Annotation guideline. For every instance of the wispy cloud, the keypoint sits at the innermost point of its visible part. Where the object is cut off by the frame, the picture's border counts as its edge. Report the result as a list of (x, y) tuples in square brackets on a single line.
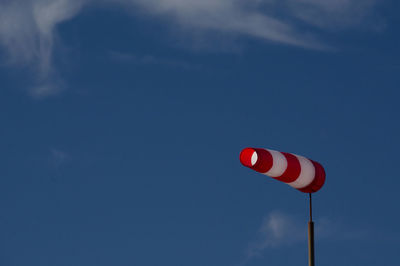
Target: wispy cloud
[(279, 229), (28, 28), (58, 157)]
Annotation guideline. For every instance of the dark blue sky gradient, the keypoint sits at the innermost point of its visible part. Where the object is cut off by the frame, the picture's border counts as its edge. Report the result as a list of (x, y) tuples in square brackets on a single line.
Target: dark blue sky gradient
[(136, 161)]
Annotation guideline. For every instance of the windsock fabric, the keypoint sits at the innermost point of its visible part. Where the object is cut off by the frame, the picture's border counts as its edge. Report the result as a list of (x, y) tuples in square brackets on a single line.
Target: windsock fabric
[(297, 171)]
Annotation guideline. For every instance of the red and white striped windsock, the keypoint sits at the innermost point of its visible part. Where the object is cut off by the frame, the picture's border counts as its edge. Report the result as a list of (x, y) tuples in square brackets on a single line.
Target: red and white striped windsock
[(297, 171)]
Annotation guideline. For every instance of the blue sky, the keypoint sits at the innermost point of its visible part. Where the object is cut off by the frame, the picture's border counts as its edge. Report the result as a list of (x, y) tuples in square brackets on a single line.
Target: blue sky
[(122, 123)]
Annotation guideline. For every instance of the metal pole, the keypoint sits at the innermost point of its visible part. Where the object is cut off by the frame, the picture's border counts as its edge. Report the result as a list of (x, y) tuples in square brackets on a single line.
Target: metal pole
[(311, 257)]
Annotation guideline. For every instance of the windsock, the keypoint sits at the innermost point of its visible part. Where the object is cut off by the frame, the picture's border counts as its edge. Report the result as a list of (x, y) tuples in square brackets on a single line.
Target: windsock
[(297, 171)]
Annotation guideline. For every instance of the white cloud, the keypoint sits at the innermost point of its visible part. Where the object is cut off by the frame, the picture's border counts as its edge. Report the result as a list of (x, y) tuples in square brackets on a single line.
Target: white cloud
[(28, 27)]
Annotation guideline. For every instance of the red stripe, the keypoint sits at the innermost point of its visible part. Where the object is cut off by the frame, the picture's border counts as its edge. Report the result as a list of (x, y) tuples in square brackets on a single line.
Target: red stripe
[(319, 179), (293, 169), (264, 161)]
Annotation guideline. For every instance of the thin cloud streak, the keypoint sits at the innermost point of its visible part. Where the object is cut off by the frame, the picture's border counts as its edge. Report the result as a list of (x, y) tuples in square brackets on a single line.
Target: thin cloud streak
[(28, 28), (228, 16), (331, 14), (150, 60)]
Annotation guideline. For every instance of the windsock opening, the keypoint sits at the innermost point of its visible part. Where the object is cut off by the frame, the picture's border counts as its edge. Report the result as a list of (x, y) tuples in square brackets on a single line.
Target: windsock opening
[(248, 157), (259, 160)]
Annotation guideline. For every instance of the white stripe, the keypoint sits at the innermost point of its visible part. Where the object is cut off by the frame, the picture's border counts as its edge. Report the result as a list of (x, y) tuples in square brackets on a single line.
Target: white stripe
[(279, 164), (307, 173)]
